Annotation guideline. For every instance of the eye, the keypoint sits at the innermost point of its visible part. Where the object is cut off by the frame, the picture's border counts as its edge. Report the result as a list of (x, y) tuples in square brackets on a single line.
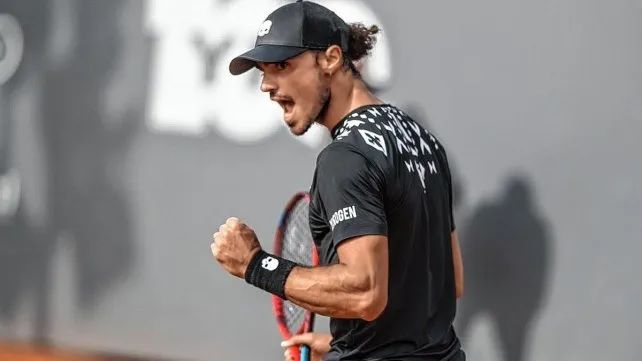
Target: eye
[(282, 65)]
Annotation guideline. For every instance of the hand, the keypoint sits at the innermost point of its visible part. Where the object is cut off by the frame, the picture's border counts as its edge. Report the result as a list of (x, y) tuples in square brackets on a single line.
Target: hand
[(234, 245), (319, 344)]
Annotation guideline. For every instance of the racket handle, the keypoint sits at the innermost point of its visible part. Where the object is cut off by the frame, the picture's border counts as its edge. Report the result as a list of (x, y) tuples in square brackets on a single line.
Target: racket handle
[(295, 352), (305, 353)]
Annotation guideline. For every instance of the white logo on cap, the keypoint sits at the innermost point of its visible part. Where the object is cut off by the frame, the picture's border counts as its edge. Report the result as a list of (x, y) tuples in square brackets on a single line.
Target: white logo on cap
[(265, 28)]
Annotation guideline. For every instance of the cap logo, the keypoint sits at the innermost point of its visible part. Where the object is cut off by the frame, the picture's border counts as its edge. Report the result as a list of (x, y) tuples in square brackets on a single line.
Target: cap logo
[(265, 28)]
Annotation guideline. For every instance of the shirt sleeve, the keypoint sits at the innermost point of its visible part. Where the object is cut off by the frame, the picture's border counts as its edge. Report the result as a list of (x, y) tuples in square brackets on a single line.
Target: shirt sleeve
[(450, 199), (351, 188), (450, 187)]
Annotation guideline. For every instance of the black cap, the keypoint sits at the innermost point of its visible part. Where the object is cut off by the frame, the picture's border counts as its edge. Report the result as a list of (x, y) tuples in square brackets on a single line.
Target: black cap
[(289, 31)]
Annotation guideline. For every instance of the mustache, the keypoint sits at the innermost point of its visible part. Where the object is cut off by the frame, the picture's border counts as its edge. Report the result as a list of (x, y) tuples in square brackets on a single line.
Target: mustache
[(280, 98)]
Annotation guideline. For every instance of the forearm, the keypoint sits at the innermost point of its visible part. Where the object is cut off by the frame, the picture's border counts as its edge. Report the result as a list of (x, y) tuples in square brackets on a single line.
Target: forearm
[(334, 291)]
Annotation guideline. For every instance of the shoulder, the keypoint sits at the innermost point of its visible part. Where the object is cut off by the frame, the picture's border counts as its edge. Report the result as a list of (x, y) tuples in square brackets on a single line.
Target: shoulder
[(345, 161), (361, 132), (340, 155)]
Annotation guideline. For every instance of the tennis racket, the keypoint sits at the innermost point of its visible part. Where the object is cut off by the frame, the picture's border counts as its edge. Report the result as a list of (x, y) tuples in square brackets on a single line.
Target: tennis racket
[(293, 241)]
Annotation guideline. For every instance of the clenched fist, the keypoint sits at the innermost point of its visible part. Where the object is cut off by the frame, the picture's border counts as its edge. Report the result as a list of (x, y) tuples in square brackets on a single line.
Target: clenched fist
[(234, 245)]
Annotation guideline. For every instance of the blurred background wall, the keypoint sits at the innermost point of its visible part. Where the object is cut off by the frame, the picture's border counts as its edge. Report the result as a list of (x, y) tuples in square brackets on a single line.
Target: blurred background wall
[(124, 143)]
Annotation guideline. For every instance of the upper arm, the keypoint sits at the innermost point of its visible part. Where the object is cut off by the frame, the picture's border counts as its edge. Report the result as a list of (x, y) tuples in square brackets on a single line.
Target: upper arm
[(366, 258), (352, 191)]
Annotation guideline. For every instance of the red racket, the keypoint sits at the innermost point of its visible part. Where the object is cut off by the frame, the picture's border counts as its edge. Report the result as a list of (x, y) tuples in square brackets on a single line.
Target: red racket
[(293, 241)]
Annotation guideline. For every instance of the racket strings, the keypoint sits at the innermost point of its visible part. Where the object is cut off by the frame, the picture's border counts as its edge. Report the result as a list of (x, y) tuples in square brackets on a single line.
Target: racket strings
[(297, 240), (297, 247), (294, 316)]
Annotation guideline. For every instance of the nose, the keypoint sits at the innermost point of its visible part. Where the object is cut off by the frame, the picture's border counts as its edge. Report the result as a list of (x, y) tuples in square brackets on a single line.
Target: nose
[(268, 84)]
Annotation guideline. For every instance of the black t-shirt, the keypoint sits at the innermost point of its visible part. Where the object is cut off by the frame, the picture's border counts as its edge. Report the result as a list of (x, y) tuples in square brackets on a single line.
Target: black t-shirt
[(384, 174)]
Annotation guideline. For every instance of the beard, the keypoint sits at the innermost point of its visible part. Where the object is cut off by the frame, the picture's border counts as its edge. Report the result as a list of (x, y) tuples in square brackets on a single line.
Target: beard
[(321, 106)]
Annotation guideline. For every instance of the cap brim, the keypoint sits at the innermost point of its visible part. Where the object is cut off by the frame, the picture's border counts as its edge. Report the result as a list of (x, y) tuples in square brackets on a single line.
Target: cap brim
[(265, 54)]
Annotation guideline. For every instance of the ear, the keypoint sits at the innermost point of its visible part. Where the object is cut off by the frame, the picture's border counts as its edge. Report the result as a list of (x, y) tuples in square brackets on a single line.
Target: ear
[(333, 59)]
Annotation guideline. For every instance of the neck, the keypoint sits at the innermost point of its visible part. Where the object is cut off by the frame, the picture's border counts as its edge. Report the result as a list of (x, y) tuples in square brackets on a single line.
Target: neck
[(347, 94)]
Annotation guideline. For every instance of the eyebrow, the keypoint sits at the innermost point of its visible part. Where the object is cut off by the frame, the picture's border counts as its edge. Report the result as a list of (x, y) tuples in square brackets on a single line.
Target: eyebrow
[(261, 66)]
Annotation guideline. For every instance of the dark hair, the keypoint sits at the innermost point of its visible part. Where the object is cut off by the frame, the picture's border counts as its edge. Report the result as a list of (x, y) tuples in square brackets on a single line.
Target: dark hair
[(360, 43)]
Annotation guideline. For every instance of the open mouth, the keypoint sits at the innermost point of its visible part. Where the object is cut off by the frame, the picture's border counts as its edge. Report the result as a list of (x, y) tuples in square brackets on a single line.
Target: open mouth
[(286, 105)]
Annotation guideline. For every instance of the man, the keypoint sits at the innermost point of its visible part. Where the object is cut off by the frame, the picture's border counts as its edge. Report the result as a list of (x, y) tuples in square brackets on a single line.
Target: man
[(380, 211)]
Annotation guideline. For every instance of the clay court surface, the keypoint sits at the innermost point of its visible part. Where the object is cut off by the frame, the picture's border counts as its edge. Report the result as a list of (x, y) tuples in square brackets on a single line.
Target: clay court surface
[(10, 351)]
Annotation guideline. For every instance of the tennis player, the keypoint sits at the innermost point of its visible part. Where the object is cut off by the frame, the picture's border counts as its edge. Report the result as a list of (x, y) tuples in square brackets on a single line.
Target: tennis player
[(381, 202)]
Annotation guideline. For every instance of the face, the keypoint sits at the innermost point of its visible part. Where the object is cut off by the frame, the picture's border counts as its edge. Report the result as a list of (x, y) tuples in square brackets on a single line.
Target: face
[(299, 86)]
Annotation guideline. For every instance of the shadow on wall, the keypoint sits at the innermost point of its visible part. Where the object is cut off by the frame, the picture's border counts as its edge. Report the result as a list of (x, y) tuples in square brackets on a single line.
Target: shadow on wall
[(506, 248), (24, 251), (84, 159)]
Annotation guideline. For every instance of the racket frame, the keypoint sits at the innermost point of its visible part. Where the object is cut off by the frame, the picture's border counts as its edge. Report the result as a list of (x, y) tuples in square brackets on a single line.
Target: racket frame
[(277, 302)]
